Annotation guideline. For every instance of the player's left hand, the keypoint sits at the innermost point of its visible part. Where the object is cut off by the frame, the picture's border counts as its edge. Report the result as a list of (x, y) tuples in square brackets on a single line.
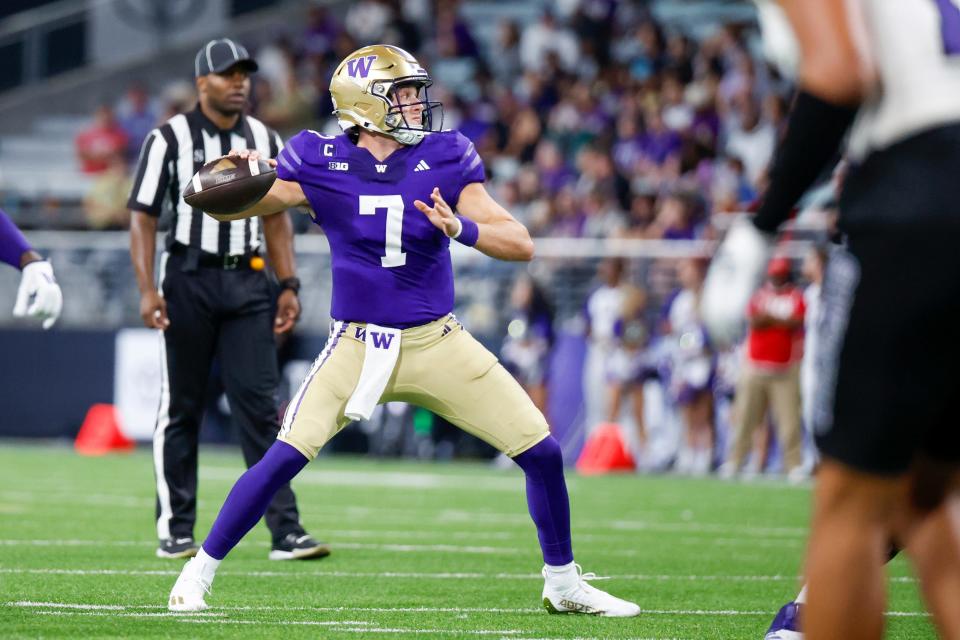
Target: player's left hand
[(39, 295), (440, 214), (288, 311), (735, 273)]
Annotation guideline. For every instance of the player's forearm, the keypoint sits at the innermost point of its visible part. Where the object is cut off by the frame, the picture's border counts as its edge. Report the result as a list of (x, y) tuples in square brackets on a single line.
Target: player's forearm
[(505, 240), (14, 247), (815, 129), (821, 114), (143, 248), (267, 206), (278, 233), (283, 195)]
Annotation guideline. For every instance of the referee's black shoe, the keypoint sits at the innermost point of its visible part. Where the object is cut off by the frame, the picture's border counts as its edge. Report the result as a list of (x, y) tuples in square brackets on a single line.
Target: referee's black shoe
[(298, 546), (177, 548)]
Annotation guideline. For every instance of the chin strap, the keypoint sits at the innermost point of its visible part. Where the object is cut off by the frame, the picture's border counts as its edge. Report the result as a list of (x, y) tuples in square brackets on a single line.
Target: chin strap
[(407, 136)]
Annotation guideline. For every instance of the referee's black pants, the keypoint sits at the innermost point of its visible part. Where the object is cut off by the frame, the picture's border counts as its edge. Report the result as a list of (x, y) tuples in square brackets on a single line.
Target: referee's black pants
[(227, 313)]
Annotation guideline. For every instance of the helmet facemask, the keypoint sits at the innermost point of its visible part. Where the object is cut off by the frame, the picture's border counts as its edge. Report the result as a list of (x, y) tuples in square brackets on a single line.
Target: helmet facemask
[(401, 125)]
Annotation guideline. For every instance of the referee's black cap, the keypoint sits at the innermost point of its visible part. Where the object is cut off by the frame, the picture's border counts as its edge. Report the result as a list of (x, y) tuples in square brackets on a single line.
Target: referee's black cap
[(219, 55)]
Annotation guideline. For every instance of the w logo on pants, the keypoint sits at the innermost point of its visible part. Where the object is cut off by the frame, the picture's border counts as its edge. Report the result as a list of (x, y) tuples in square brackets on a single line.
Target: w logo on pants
[(360, 67), (381, 340)]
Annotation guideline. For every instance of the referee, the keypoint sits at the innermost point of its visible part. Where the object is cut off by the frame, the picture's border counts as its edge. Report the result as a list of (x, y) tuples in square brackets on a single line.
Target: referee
[(212, 298)]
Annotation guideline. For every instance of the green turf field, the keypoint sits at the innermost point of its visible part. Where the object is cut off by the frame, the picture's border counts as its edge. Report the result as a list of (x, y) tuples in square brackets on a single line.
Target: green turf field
[(420, 550)]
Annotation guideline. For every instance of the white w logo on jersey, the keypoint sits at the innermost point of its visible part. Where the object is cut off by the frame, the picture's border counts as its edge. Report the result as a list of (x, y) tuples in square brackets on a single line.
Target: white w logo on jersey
[(381, 168)]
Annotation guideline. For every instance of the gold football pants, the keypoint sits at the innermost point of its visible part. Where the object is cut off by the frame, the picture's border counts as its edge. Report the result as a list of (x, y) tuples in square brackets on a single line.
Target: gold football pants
[(441, 367)]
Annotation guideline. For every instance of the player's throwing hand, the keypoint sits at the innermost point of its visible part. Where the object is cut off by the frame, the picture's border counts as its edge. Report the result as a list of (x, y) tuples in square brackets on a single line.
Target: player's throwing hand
[(440, 214), (251, 154)]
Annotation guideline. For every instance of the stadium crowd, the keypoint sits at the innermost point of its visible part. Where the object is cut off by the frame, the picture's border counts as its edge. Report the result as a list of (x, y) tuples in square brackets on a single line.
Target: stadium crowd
[(594, 121)]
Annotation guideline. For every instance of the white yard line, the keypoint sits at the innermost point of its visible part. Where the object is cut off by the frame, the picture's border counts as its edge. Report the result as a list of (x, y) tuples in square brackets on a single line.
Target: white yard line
[(403, 481), (399, 548), (442, 517), (97, 609), (217, 617), (297, 575), (338, 539), (366, 630)]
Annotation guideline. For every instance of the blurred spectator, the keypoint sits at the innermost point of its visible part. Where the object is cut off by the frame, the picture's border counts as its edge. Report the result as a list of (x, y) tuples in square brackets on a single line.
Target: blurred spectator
[(602, 218), (674, 219), (603, 309), (506, 63), (453, 36), (177, 97), (750, 139), (630, 366), (524, 135), (730, 189), (692, 371), (659, 143), (278, 63), (679, 57), (401, 30), (321, 32), (526, 347), (641, 216), (627, 148), (367, 20), (98, 144), (544, 37), (553, 173), (771, 374), (642, 51), (593, 23), (136, 115), (287, 108), (677, 112), (566, 218), (105, 204)]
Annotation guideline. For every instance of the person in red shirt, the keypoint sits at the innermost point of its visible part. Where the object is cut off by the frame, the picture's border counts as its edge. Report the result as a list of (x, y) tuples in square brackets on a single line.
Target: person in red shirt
[(771, 371), (101, 142)]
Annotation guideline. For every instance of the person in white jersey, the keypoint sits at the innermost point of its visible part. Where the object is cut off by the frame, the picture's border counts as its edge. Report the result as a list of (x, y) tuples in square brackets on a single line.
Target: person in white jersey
[(889, 72)]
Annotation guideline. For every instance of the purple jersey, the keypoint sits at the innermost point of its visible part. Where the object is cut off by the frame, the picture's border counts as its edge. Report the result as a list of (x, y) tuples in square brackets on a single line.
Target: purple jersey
[(391, 266)]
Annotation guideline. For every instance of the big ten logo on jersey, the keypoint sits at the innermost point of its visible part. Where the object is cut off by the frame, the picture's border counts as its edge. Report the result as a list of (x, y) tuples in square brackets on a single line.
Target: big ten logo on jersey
[(360, 67), (338, 166), (380, 340)]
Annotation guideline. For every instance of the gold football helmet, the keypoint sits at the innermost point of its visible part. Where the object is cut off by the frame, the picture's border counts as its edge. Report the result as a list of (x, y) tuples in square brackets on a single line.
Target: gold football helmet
[(363, 87)]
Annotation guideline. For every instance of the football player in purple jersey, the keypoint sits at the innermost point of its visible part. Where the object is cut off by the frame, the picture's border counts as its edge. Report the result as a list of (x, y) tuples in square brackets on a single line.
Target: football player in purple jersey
[(39, 294), (390, 194)]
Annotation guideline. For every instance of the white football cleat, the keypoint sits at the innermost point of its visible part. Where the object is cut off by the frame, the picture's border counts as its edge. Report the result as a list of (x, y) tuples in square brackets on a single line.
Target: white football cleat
[(580, 597), (187, 594)]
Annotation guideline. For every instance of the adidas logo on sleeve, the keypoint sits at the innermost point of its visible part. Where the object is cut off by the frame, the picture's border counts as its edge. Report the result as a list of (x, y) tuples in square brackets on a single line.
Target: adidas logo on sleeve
[(422, 166)]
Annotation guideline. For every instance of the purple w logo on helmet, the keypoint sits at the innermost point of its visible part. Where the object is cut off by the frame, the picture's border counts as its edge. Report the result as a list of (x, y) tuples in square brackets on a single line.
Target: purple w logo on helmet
[(360, 67)]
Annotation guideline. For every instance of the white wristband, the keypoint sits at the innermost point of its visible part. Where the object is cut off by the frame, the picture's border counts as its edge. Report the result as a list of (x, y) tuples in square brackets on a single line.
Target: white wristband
[(459, 229)]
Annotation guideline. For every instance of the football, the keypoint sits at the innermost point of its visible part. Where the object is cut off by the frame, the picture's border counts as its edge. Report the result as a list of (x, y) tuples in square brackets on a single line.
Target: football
[(229, 184)]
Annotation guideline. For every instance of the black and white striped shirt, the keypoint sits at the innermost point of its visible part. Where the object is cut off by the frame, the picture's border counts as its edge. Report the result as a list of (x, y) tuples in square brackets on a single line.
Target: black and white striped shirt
[(172, 153)]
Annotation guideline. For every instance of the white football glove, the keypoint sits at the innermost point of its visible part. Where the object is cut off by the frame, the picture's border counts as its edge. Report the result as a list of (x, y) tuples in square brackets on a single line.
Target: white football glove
[(735, 273), (39, 294)]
